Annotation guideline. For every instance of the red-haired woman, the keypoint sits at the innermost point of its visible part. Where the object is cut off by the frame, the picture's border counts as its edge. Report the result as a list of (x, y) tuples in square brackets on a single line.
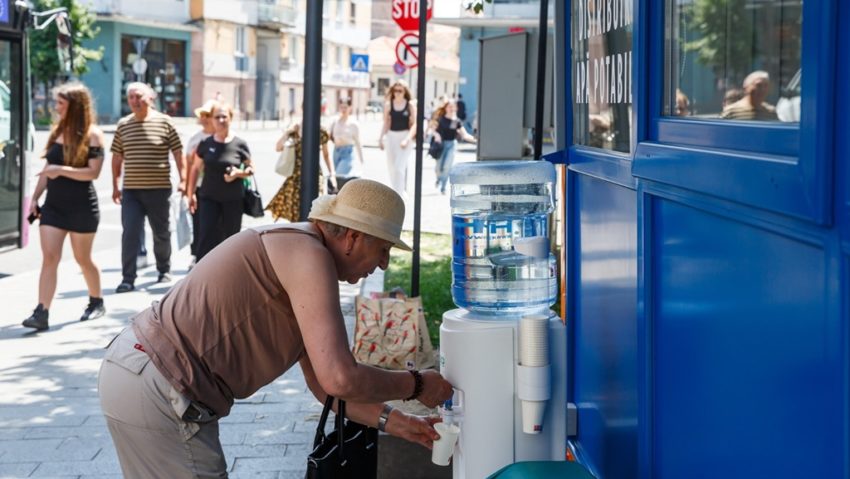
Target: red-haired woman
[(74, 155)]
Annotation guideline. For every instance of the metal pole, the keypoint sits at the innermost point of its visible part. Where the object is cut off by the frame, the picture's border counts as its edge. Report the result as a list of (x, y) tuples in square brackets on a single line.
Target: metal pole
[(311, 121), (420, 132), (543, 37)]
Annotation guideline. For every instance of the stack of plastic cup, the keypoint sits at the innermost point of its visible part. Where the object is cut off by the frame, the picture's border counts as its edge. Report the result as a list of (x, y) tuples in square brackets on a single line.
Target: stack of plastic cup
[(535, 381)]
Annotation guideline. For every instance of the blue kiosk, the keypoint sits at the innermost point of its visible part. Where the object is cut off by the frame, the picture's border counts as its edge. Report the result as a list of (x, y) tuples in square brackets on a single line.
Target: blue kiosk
[(707, 230)]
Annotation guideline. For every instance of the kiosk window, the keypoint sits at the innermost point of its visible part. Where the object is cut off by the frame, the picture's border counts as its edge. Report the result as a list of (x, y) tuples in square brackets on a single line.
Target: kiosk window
[(733, 59), (602, 73)]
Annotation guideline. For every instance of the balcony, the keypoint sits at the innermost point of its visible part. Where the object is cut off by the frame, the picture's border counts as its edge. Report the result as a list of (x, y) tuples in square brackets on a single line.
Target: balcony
[(275, 16)]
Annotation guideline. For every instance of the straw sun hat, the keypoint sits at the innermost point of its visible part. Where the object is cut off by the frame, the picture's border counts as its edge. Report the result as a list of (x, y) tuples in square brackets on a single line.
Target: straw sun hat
[(366, 206)]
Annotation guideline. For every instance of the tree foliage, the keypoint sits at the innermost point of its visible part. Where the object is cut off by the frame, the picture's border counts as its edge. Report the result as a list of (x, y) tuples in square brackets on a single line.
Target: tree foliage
[(724, 36), (476, 5), (44, 59)]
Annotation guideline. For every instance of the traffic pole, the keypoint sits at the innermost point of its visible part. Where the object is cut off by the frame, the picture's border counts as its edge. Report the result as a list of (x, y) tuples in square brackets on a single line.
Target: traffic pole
[(311, 119), (420, 134)]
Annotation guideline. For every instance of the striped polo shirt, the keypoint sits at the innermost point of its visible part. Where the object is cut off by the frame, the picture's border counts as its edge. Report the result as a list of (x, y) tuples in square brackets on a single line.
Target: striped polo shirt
[(145, 145)]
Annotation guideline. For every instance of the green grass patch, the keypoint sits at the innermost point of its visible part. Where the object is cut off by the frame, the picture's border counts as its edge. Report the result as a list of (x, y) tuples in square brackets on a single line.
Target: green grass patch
[(435, 276)]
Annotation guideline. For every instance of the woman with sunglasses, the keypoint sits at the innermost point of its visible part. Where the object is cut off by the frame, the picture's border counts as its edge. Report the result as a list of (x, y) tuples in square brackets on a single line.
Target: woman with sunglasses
[(399, 130), (74, 155), (225, 161)]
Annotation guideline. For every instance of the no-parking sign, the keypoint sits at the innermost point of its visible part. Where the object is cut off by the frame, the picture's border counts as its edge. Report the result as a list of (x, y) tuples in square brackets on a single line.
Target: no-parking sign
[(407, 50)]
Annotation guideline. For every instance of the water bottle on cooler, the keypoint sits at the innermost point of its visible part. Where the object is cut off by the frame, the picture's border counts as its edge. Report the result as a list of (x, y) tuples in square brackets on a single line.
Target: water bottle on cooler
[(501, 260)]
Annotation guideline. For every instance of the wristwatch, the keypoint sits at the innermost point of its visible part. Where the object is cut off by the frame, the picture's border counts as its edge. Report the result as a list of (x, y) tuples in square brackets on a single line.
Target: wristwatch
[(382, 419)]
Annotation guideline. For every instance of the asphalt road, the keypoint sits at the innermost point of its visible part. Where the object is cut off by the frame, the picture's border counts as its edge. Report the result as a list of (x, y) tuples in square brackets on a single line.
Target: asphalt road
[(435, 216)]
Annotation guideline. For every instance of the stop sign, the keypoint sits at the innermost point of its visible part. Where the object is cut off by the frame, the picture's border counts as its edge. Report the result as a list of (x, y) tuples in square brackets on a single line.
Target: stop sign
[(406, 13)]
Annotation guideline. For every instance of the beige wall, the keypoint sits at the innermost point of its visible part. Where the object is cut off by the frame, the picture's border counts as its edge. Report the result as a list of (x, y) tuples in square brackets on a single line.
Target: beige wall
[(220, 37)]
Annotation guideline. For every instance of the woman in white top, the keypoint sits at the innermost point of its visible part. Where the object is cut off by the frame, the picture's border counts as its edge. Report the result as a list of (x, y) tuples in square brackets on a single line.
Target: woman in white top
[(400, 129), (345, 135)]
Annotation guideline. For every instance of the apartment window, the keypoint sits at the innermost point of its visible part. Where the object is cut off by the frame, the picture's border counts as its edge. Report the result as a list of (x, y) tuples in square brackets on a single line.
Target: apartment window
[(340, 11), (293, 49), (339, 51), (353, 8)]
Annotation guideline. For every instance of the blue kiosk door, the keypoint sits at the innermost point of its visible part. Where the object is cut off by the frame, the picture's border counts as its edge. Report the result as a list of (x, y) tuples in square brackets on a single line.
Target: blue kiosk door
[(708, 237)]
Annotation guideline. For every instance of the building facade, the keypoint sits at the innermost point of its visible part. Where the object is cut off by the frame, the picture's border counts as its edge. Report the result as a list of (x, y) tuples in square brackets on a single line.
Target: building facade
[(442, 70), (345, 31), (499, 18), (149, 42)]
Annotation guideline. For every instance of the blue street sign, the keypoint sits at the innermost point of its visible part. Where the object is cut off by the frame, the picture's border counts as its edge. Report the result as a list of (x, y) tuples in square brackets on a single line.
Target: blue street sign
[(359, 63)]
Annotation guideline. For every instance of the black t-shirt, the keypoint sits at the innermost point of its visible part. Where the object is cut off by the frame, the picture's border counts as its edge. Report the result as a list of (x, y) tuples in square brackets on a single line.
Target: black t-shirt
[(448, 128), (217, 158)]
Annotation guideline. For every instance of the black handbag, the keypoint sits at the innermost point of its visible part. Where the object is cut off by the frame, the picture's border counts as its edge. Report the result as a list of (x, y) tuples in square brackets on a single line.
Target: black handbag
[(349, 451), (252, 202), (435, 149)]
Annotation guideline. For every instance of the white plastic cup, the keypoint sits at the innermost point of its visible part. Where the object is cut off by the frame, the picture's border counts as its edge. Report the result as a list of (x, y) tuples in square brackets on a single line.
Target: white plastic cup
[(444, 447), (535, 246), (532, 416), (534, 340)]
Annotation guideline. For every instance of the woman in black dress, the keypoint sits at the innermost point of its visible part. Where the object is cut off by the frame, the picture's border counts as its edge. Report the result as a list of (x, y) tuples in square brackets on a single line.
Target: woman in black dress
[(225, 161), (74, 155)]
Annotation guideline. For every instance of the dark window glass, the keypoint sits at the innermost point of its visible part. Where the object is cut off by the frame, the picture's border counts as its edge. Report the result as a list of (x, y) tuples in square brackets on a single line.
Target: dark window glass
[(733, 59), (602, 73), (10, 148), (161, 64)]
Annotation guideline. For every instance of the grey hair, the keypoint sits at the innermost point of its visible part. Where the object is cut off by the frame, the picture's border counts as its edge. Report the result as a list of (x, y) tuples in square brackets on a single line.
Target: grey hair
[(337, 231), (142, 87)]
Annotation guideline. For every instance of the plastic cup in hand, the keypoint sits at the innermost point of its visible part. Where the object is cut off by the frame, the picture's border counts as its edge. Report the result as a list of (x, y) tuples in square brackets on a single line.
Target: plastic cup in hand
[(444, 446), (534, 340)]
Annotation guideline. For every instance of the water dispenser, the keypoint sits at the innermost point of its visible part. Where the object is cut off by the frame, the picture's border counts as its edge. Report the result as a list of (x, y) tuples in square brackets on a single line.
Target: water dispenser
[(503, 349)]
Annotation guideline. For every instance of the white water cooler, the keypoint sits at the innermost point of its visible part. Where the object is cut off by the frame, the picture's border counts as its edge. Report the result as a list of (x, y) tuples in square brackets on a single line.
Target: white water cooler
[(480, 357), (504, 351)]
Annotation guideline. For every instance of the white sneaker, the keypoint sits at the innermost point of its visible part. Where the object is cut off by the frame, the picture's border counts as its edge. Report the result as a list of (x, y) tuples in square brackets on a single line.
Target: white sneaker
[(141, 261)]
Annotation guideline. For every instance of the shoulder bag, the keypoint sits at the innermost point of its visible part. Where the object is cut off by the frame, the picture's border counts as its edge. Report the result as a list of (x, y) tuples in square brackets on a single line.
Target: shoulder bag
[(252, 202), (350, 451), (286, 161), (435, 149)]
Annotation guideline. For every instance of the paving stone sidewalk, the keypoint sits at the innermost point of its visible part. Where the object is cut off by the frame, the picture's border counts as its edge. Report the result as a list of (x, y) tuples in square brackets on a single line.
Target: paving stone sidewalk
[(50, 419)]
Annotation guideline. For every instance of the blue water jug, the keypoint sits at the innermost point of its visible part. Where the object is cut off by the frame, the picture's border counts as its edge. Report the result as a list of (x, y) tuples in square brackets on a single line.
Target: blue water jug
[(501, 259)]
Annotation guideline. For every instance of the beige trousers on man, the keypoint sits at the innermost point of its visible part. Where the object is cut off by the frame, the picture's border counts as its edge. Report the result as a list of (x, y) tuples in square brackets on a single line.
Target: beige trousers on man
[(143, 412)]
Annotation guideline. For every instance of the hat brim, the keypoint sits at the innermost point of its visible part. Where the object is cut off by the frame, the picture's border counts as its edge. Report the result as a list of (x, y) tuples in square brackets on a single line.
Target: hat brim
[(201, 111), (363, 228)]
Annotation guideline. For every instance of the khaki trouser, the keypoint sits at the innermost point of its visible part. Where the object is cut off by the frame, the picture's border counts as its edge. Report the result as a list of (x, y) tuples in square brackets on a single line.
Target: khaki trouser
[(143, 412)]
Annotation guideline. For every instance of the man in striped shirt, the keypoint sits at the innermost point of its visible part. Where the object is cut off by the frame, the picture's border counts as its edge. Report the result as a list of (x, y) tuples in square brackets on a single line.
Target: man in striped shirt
[(141, 145)]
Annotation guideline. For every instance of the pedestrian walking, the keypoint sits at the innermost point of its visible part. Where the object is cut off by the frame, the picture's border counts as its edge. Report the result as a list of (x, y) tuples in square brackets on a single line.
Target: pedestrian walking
[(224, 160), (140, 150), (399, 129), (286, 203), (74, 155), (447, 127), (345, 135), (204, 115), (266, 298)]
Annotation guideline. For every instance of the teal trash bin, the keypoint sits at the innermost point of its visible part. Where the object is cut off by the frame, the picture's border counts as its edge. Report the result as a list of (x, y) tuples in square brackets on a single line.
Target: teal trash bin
[(543, 469)]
